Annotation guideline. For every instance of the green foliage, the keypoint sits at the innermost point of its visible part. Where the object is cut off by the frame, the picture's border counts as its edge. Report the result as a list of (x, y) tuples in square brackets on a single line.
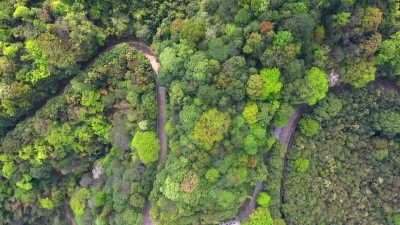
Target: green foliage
[(372, 19), (9, 169), (283, 38), (302, 164), (212, 175), (387, 52), (230, 29), (395, 219), (309, 127), (243, 17), (22, 12), (41, 60), (359, 72), (210, 128), (342, 18), (263, 199), (91, 100), (79, 200), (255, 86), (250, 145), (25, 183), (318, 81), (147, 146), (260, 216), (46, 203), (250, 113), (329, 107), (272, 85), (217, 50), (350, 2), (192, 32), (380, 154), (100, 199), (342, 152), (388, 122)]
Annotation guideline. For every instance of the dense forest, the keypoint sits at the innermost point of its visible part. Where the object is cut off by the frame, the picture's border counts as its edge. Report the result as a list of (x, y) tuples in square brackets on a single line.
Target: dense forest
[(234, 71), (344, 163)]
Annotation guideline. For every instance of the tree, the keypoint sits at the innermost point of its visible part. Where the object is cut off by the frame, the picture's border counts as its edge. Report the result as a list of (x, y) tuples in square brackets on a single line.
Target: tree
[(170, 62), (302, 164), (176, 26), (272, 85), (309, 127), (318, 80), (243, 17), (250, 145), (225, 199), (217, 50), (359, 72), (78, 201), (210, 128), (371, 45), (329, 107), (263, 199), (189, 115), (301, 26), (212, 175), (266, 26), (46, 203), (372, 19), (283, 38), (388, 122), (255, 86), (388, 52), (198, 67), (253, 42), (22, 12), (176, 94), (192, 32), (319, 34), (91, 100), (236, 177), (250, 113), (279, 221), (9, 169), (342, 19), (261, 216), (190, 182), (146, 143)]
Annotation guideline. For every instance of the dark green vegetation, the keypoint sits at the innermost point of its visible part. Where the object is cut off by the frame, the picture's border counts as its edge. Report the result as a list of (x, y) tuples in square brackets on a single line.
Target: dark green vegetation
[(47, 160), (348, 172), (42, 43), (234, 70)]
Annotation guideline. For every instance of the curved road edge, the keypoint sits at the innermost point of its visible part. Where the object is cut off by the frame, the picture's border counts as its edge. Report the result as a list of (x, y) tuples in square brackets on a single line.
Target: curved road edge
[(287, 132)]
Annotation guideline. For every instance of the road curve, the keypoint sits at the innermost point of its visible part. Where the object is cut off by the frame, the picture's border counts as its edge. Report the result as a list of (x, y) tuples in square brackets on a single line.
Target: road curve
[(286, 134)]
